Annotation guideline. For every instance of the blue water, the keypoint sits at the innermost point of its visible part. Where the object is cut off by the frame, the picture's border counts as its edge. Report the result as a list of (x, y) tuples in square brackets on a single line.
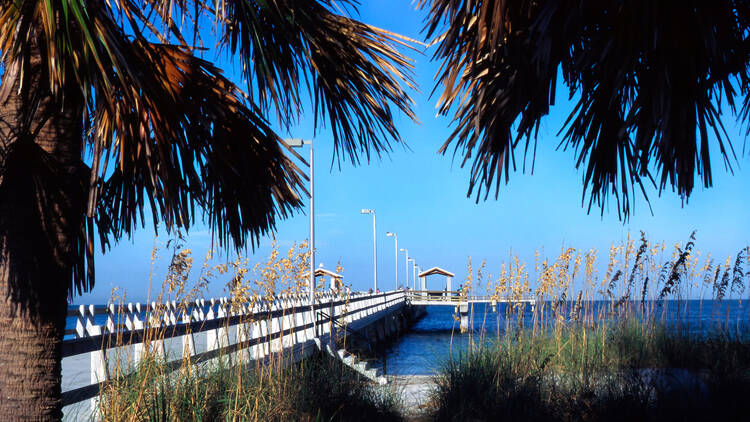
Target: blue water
[(433, 339)]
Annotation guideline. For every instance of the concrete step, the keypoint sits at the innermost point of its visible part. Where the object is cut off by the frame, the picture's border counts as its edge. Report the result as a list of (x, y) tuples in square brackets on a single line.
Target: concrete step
[(353, 362), (331, 350)]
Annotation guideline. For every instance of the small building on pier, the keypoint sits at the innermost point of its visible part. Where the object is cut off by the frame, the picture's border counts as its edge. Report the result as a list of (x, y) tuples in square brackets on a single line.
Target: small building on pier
[(435, 271), (334, 279)]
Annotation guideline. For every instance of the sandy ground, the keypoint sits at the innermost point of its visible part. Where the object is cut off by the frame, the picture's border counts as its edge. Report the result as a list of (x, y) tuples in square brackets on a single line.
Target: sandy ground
[(414, 391)]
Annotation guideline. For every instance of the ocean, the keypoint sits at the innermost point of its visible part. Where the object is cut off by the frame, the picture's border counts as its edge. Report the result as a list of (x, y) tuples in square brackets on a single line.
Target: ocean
[(433, 339)]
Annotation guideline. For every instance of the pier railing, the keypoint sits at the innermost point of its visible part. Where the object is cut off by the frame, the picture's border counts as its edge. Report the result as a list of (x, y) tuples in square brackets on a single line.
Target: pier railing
[(443, 297), (242, 331)]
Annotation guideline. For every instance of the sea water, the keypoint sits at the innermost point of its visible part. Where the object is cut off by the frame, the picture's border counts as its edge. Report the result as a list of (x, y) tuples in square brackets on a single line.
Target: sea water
[(432, 340)]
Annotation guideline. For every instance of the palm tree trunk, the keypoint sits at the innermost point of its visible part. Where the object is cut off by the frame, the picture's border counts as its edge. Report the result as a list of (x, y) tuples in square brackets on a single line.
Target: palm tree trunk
[(40, 218)]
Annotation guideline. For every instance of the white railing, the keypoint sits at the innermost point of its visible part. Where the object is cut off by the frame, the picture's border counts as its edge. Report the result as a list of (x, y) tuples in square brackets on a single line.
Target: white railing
[(455, 297), (223, 328)]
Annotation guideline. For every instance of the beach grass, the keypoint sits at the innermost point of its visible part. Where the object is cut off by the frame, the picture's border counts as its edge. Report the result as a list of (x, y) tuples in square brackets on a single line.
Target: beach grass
[(317, 388), (157, 387), (617, 346), (611, 346), (629, 370)]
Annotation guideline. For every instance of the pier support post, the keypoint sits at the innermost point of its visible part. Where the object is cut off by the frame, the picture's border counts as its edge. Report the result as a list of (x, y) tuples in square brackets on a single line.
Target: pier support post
[(463, 311)]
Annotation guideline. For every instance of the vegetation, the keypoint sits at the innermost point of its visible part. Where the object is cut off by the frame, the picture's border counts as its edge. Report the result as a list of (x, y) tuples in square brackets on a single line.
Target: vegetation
[(626, 355), (649, 83), (160, 386), (318, 388), (110, 113), (628, 371), (623, 349)]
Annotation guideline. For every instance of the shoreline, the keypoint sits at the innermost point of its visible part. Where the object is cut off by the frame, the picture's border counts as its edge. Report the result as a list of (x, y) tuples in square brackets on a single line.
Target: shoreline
[(414, 391)]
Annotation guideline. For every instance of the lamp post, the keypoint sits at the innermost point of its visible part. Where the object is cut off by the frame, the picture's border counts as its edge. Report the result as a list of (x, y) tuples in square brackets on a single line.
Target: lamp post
[(395, 236), (406, 265), (374, 247), (298, 143), (413, 274)]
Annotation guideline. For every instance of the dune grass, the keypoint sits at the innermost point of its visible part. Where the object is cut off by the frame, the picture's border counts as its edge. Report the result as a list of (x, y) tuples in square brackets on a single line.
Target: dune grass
[(317, 388), (621, 349), (236, 388), (628, 370), (569, 360)]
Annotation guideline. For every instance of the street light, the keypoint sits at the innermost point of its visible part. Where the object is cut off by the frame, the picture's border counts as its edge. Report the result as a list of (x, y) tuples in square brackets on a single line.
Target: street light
[(374, 247), (298, 143), (414, 274), (406, 272), (395, 236)]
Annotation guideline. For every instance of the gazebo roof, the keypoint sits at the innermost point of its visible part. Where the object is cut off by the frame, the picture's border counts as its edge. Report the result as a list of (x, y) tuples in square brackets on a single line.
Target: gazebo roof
[(436, 270), (322, 272)]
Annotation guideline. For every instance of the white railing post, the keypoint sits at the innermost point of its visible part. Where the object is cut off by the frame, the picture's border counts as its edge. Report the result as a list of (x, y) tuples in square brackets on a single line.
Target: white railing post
[(290, 323), (243, 334), (188, 342), (212, 336), (133, 322), (256, 333), (110, 324), (81, 322), (275, 327), (299, 320), (98, 357), (199, 313), (156, 321), (223, 331)]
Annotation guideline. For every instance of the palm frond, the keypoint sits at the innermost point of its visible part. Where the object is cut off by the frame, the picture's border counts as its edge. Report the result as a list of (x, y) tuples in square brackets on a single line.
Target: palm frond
[(353, 72), (648, 79), (186, 137), (164, 128)]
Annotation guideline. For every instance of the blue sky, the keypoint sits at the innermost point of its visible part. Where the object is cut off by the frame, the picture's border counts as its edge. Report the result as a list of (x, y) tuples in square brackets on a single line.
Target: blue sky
[(421, 195)]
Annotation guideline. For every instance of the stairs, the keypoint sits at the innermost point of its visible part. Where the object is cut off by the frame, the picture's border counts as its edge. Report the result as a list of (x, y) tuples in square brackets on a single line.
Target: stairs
[(353, 362)]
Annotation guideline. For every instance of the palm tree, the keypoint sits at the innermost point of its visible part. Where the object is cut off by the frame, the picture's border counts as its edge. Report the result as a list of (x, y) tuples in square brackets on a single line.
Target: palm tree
[(649, 81), (109, 112)]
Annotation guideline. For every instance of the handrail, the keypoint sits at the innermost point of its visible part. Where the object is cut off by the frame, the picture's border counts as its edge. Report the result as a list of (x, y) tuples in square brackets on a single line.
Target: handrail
[(353, 298), (335, 321), (460, 296), (272, 326)]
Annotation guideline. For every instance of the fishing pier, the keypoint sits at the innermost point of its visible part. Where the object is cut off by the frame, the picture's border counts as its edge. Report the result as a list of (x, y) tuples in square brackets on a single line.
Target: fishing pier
[(460, 299), (112, 339), (203, 331)]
